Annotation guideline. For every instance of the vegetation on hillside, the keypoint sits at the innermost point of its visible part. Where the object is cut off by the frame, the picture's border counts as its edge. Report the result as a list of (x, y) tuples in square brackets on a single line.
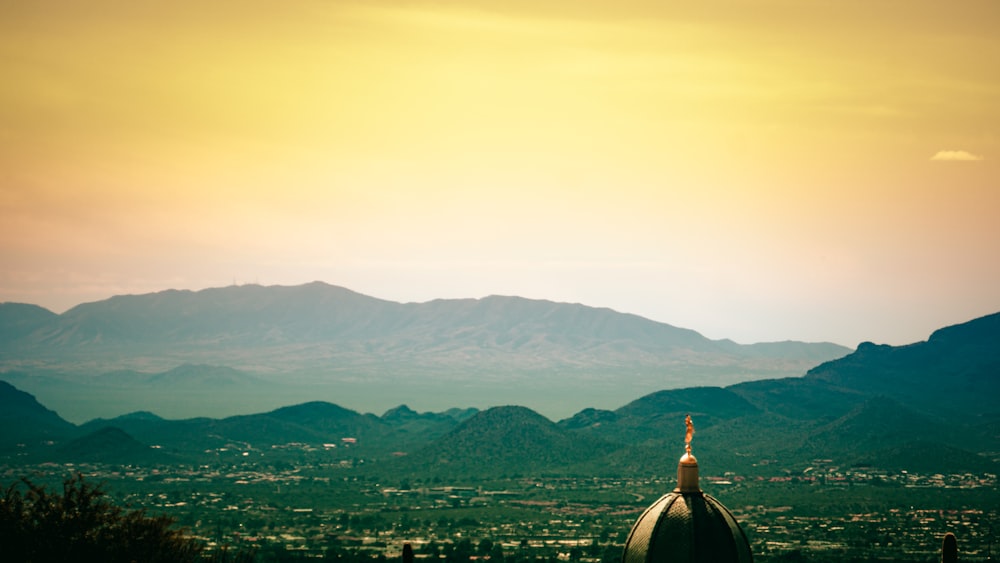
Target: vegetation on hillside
[(79, 524)]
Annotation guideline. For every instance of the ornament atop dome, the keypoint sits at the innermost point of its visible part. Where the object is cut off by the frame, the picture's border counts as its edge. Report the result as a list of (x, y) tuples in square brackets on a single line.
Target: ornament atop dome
[(687, 468), (687, 525), (690, 432)]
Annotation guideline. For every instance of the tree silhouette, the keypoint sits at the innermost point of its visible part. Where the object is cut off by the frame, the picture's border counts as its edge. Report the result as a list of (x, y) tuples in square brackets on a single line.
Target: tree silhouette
[(79, 524)]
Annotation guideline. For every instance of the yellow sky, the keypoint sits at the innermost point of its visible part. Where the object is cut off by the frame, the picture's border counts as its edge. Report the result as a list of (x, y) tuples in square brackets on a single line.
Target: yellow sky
[(752, 170)]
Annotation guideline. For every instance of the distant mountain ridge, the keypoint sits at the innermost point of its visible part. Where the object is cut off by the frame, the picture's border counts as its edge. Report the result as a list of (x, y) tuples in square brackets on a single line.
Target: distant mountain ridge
[(887, 407), (251, 343), (318, 318)]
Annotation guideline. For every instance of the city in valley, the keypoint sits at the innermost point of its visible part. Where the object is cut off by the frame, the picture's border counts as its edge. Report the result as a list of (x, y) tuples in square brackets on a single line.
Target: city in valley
[(298, 501)]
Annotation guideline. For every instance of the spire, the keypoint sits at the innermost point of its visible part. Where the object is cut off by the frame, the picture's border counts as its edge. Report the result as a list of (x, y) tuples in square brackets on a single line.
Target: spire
[(687, 467)]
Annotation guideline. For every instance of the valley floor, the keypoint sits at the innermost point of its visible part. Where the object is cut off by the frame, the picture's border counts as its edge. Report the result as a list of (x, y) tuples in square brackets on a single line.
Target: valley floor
[(291, 511)]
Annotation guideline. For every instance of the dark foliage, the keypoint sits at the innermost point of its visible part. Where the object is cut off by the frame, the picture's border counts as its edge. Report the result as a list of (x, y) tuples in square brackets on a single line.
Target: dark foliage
[(78, 524)]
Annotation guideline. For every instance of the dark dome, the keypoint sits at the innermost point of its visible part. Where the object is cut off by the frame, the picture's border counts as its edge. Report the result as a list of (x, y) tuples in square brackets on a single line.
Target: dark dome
[(686, 525)]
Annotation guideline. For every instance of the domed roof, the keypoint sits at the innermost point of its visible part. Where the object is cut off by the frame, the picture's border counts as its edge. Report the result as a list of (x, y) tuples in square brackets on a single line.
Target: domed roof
[(687, 525)]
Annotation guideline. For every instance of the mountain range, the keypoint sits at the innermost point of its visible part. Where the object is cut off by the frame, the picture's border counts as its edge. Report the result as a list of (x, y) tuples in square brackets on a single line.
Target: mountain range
[(225, 349), (881, 406)]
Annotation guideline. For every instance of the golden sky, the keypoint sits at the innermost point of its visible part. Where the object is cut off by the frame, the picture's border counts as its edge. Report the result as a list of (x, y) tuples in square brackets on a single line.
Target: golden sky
[(767, 170)]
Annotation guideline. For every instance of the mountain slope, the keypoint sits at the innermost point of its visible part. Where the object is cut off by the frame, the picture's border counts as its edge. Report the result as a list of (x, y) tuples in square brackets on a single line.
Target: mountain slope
[(289, 327), (330, 421), (877, 399), (956, 370), (875, 424), (23, 420), (423, 426), (314, 423), (18, 319), (109, 445), (507, 440), (659, 415)]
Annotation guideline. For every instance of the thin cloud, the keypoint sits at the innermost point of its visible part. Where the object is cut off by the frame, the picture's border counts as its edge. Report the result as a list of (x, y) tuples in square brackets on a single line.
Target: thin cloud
[(956, 155)]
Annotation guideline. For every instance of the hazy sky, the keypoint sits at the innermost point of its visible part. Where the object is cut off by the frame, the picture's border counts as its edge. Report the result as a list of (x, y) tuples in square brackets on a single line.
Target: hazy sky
[(755, 170)]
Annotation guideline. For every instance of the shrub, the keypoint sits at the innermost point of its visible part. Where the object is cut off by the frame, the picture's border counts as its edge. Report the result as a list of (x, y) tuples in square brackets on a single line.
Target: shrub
[(79, 524)]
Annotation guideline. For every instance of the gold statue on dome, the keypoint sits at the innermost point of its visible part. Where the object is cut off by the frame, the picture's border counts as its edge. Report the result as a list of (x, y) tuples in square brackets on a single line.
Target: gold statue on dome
[(689, 434)]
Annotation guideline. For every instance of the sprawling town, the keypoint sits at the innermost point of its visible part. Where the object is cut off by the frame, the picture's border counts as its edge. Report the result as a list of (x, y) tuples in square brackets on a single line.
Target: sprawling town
[(287, 511)]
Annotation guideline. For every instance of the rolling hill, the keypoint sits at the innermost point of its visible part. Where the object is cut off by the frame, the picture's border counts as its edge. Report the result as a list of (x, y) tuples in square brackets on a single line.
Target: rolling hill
[(507, 440)]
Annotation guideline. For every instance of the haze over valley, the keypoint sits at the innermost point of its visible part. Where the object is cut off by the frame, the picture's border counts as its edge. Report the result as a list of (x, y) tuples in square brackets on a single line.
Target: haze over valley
[(880, 405), (235, 349)]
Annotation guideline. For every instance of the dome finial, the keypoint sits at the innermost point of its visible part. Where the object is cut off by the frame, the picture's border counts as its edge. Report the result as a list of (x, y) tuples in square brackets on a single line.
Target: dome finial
[(687, 525), (687, 468), (689, 434)]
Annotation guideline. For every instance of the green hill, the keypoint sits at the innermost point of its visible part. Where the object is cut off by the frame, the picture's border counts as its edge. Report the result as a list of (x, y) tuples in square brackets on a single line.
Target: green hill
[(109, 445), (508, 441)]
